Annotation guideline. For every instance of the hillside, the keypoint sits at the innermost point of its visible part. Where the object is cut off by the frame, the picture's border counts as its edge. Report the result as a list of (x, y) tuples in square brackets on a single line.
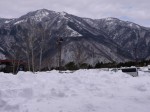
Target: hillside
[(84, 39)]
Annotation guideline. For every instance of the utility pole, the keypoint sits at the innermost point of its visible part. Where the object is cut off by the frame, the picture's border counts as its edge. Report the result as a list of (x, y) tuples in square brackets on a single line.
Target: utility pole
[(93, 55), (115, 63), (117, 57), (59, 43), (135, 55)]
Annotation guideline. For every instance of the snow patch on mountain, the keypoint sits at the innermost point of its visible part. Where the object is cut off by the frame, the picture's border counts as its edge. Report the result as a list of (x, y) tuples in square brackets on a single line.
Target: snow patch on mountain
[(40, 14), (133, 25), (1, 49), (2, 56), (73, 32), (110, 23), (7, 21), (21, 21), (110, 19), (63, 15), (91, 23), (88, 21)]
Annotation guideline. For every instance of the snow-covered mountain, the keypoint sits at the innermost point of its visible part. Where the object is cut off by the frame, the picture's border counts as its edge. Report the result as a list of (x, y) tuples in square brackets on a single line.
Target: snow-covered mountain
[(85, 39)]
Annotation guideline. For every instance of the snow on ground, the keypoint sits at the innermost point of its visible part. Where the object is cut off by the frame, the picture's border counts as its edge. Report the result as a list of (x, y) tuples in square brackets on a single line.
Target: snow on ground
[(81, 91)]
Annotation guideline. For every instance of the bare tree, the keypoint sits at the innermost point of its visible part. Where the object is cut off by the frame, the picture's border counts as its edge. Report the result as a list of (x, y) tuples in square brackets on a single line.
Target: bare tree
[(31, 39), (27, 50), (16, 56), (23, 36), (28, 37), (42, 42), (41, 49)]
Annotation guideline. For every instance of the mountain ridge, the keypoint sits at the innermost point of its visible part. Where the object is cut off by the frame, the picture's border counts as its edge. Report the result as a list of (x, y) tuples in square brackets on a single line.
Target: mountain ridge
[(70, 14), (103, 40)]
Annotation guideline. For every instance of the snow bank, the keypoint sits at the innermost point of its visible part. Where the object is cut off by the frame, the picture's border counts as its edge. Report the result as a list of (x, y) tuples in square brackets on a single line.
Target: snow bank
[(81, 91)]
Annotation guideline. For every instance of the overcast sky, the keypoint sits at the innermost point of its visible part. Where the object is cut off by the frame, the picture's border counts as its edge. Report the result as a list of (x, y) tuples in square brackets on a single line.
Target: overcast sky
[(137, 11)]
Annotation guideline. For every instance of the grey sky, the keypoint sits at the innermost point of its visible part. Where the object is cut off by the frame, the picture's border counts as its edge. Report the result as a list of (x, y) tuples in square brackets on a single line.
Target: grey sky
[(129, 10)]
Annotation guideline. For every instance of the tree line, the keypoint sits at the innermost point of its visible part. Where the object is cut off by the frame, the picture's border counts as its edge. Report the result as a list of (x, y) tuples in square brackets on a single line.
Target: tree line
[(74, 66)]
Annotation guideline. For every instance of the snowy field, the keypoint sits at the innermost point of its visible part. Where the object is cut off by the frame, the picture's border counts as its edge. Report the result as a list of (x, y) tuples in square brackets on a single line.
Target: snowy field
[(81, 91)]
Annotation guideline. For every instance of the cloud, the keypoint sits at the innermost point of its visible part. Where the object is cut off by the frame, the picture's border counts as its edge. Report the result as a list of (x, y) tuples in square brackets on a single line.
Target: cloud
[(130, 10)]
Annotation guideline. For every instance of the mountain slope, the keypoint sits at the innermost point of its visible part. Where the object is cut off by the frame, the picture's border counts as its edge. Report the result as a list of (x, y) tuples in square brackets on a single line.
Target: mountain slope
[(85, 40)]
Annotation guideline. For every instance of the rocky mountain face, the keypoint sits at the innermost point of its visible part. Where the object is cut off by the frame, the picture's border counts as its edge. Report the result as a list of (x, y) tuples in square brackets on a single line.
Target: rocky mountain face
[(84, 40)]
